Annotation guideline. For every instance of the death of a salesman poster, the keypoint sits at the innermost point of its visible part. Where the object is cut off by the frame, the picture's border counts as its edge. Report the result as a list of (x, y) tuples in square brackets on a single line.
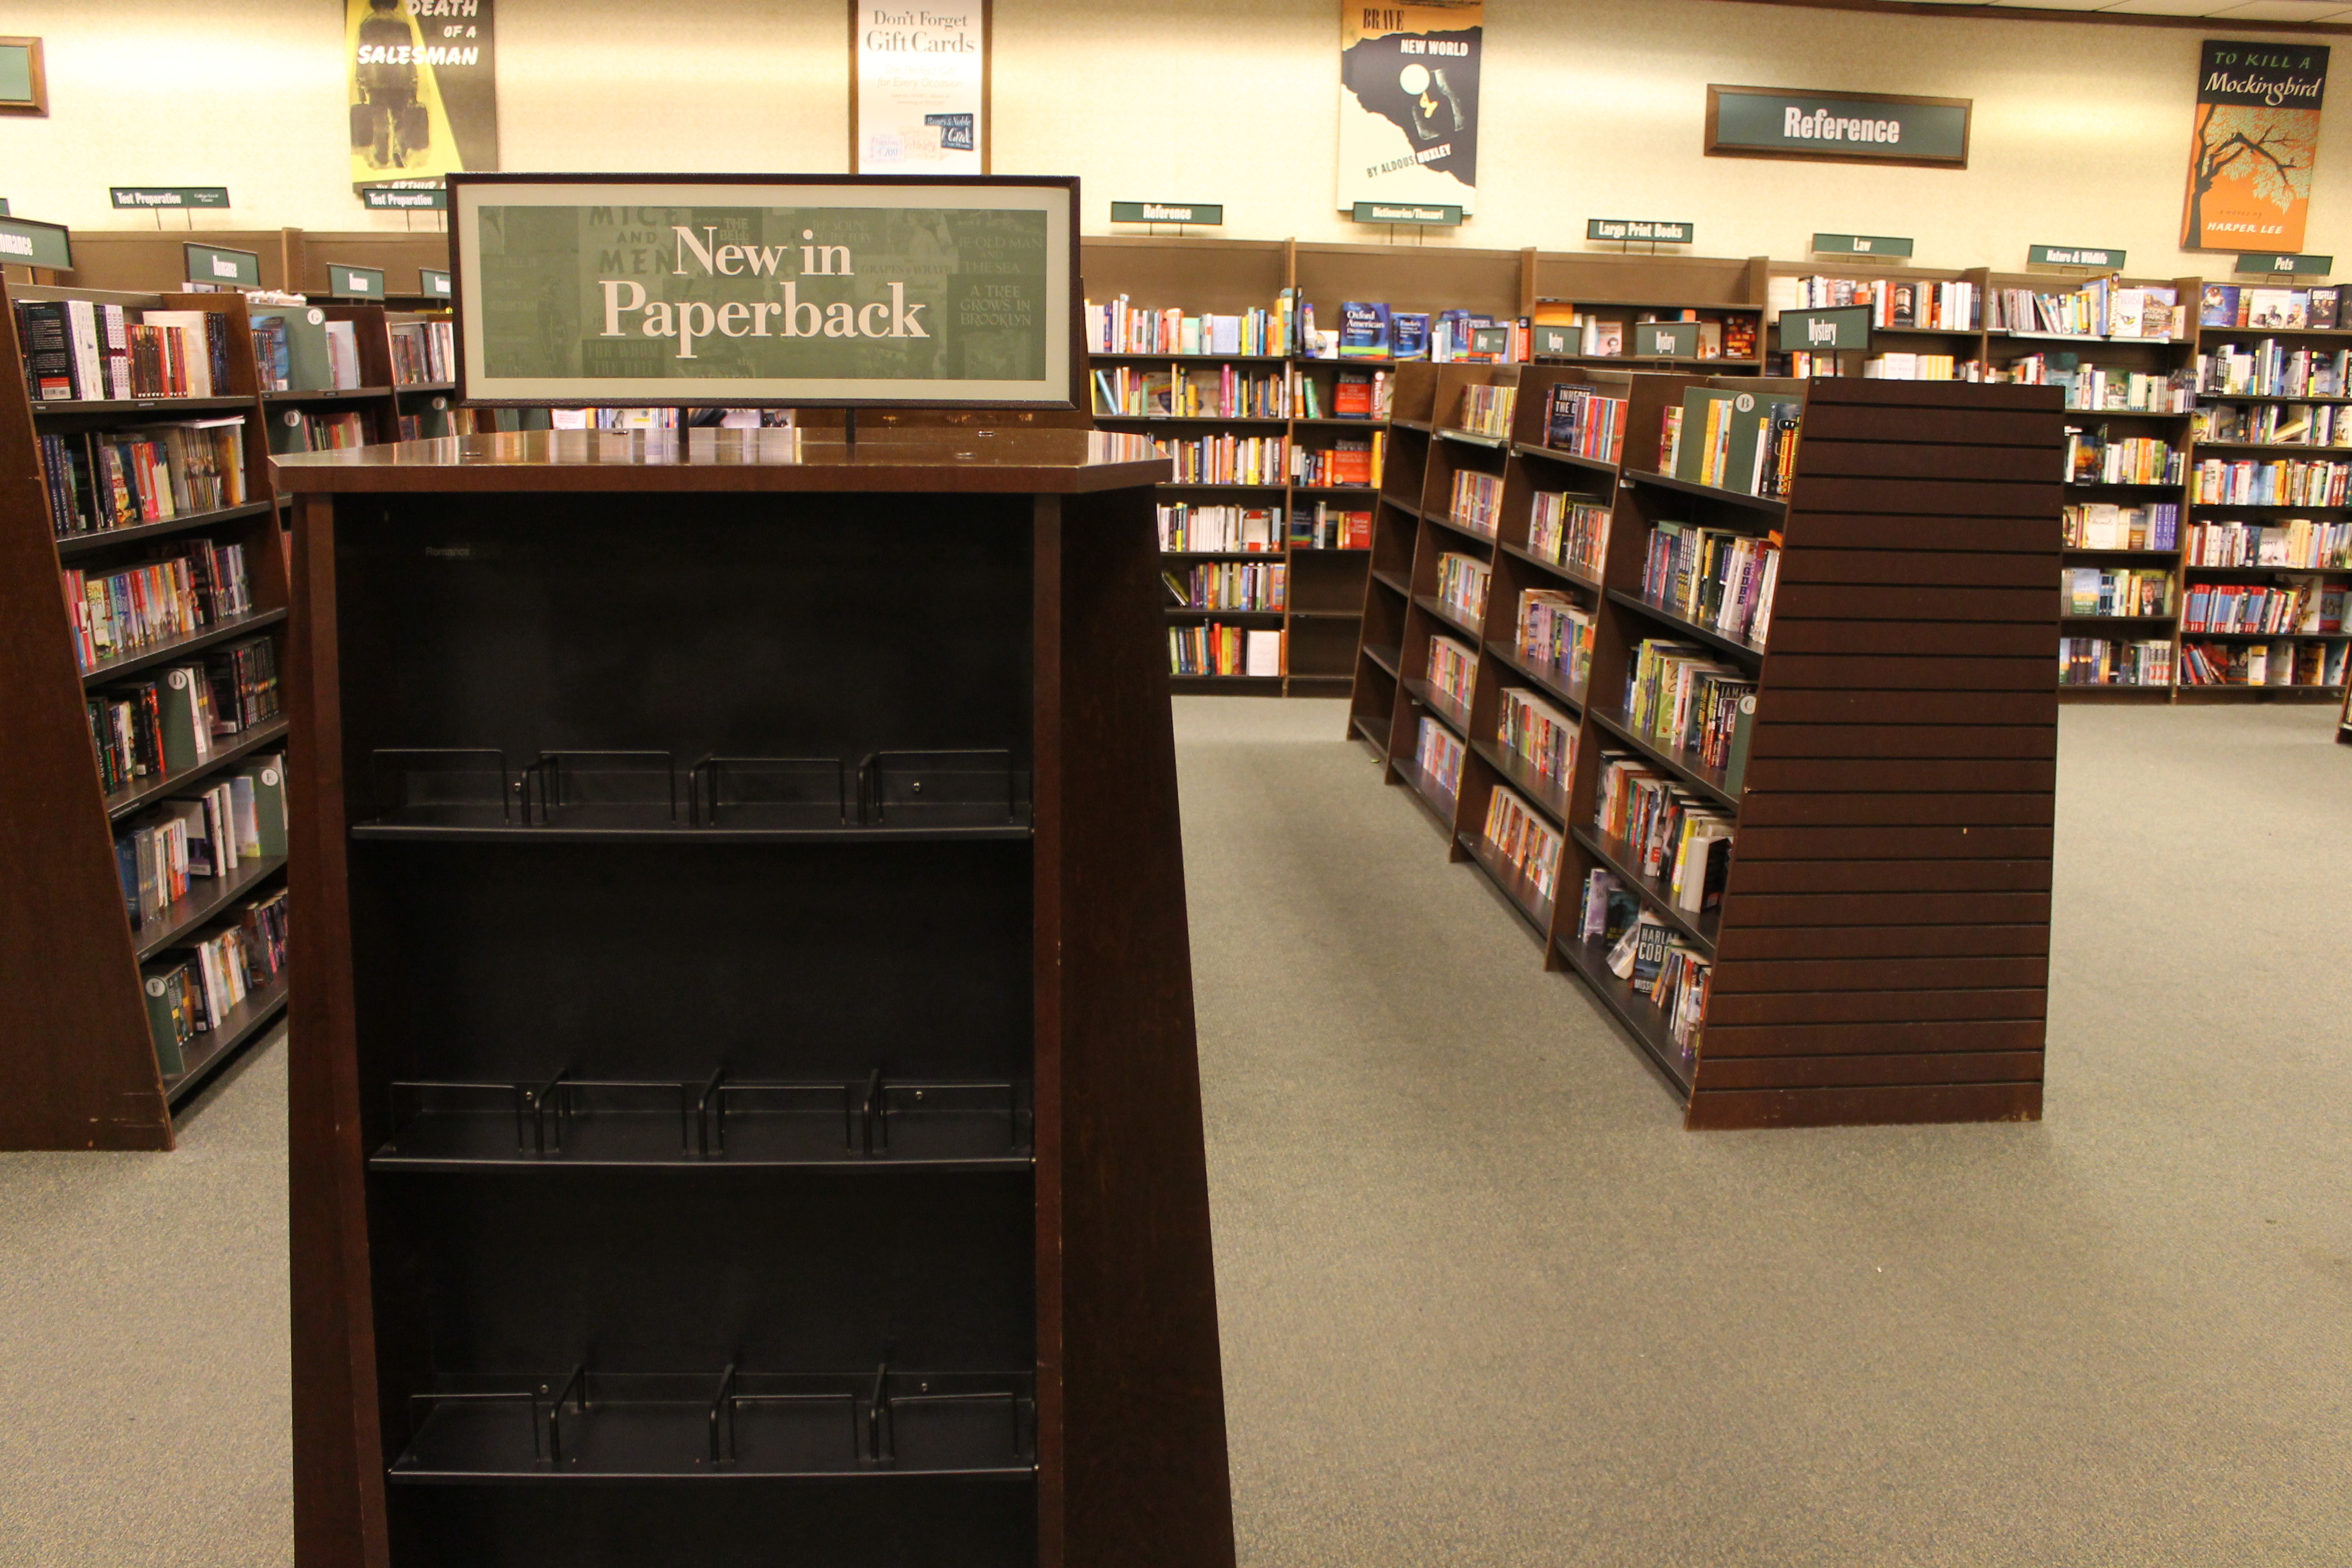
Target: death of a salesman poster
[(423, 88), (1409, 102)]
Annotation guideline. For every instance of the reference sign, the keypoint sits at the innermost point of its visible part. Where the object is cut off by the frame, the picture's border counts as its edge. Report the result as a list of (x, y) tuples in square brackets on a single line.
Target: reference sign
[(1837, 127), (1206, 213), (748, 290), (211, 264)]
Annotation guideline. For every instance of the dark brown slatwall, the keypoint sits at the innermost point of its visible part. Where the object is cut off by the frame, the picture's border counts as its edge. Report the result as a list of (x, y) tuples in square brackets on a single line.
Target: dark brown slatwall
[(1885, 932)]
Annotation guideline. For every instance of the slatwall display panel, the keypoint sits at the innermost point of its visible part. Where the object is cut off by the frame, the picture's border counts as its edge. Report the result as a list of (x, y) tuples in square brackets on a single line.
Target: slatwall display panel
[(1885, 928)]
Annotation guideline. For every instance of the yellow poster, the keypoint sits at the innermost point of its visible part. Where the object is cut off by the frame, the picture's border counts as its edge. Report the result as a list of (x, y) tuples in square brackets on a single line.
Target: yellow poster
[(423, 89), (2256, 142)]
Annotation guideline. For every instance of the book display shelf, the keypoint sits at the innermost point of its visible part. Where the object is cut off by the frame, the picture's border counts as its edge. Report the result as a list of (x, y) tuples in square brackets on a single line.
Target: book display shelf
[(1879, 947), (1615, 292), (80, 1062), (746, 1090)]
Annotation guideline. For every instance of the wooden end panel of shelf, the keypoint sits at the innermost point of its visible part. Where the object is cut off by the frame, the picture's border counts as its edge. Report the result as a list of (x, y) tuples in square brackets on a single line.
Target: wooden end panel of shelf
[(1884, 934), (338, 1466), (1126, 1289), (78, 1068)]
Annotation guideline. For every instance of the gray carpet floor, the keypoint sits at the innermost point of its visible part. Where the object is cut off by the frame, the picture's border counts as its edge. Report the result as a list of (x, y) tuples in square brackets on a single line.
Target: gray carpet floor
[(1484, 1303)]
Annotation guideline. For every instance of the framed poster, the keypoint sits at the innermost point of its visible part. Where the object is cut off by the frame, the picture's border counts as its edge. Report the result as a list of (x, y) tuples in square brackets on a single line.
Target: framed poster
[(1408, 104), (423, 88), (737, 291), (2256, 140), (919, 84), (1837, 127), (24, 85)]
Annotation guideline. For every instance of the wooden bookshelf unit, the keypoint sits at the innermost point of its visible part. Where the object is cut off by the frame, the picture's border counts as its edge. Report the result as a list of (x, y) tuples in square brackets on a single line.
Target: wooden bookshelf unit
[(744, 1091), (1880, 951)]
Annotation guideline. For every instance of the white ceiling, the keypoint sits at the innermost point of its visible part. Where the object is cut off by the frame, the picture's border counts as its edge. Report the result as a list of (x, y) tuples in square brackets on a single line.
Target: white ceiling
[(2337, 11)]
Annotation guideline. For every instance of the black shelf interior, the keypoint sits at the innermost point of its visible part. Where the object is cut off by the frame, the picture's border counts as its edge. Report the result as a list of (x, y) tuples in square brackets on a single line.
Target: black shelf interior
[(1766, 504), (1738, 647), (1645, 1024), (228, 750), (1443, 612), (1549, 795), (71, 545), (1542, 677), (1453, 715), (1617, 856), (148, 658), (209, 898), (1685, 768), (1573, 459), (1545, 565), (1520, 894), (203, 1058)]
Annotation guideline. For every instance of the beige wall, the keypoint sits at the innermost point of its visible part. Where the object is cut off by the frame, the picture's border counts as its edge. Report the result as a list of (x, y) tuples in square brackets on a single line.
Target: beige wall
[(1592, 108)]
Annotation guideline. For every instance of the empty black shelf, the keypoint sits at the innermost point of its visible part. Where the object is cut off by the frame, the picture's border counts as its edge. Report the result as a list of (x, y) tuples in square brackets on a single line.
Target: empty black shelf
[(1446, 613), (1709, 492), (1542, 677), (1450, 712), (1547, 794)]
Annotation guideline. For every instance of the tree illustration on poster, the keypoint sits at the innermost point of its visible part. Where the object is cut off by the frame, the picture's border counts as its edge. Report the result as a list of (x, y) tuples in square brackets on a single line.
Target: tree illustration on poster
[(1409, 102), (2257, 139), (423, 89)]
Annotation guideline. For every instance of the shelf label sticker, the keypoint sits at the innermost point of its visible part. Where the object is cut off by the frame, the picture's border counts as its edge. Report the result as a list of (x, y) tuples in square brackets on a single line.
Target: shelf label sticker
[(1444, 215), (1212, 214), (153, 196), (1836, 127), (1558, 342), (24, 243), (404, 198), (1651, 231), (433, 281), (1665, 339), (2074, 256), (1490, 340), (212, 264), (1825, 331), (2287, 266), (1860, 244), (354, 282)]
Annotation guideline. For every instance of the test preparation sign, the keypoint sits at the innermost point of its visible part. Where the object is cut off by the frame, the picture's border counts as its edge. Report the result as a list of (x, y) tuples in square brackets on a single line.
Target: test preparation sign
[(1837, 127), (818, 290)]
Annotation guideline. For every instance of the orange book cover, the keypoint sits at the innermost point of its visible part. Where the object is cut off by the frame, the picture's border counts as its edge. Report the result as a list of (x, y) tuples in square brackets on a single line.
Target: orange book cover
[(2257, 139)]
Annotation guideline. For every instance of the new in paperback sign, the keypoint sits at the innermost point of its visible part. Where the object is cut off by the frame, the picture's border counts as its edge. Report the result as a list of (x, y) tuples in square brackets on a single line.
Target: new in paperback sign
[(211, 264), (169, 195), (1825, 331), (24, 243), (1640, 230), (2073, 256), (1838, 127), (2284, 266), (1212, 214), (826, 290)]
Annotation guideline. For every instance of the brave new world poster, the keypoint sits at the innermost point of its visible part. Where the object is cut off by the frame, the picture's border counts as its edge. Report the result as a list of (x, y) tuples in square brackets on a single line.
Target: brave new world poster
[(1409, 102)]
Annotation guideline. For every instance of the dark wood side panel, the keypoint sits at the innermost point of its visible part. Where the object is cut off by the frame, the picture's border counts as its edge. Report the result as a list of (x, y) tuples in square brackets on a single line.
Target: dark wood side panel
[(1954, 1035), (1950, 428), (1141, 1449), (1939, 743), (1933, 498), (1733, 1109), (1884, 942), (1871, 1006), (1907, 568), (1897, 672), (1963, 639), (1831, 845), (1887, 778), (1905, 906), (1824, 973), (1833, 459), (1866, 1071), (1835, 807), (1863, 530)]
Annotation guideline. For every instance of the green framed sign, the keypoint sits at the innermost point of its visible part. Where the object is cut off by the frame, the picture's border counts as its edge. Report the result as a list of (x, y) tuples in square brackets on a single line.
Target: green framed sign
[(744, 290), (354, 282), (1825, 331), (1665, 339), (1558, 343), (1443, 214), (157, 196), (404, 198), (432, 282), (1860, 244), (211, 264), (24, 243), (1837, 127), (2073, 256), (1211, 214), (1640, 231), (2284, 265)]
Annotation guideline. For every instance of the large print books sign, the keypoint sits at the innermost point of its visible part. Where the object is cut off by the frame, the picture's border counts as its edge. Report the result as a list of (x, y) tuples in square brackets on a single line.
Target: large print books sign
[(1409, 103), (739, 290), (2257, 139), (423, 88)]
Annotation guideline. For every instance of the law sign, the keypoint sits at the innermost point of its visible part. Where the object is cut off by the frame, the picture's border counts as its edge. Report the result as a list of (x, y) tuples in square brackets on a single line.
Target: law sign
[(2073, 256), (1212, 214), (1860, 244), (354, 282), (169, 195), (24, 243), (2283, 266), (1837, 127), (1407, 211), (1640, 230), (211, 264), (1825, 331), (739, 290)]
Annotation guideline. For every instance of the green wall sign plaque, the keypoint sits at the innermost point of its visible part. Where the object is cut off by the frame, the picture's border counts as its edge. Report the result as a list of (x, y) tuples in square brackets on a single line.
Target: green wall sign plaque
[(838, 289), (1638, 231), (354, 282), (1825, 331), (1558, 342), (404, 198), (1837, 127), (157, 196), (2287, 266), (1665, 339), (1212, 214), (24, 243), (1446, 214), (211, 264), (2073, 256), (1860, 244), (433, 281)]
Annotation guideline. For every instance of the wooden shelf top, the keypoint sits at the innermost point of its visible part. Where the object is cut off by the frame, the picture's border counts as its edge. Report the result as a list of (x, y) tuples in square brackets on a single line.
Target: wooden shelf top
[(326, 394), (1062, 461)]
